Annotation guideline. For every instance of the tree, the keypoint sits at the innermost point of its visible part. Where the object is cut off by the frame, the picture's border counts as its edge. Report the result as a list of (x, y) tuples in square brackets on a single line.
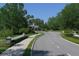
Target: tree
[(12, 16), (53, 23), (39, 22), (70, 15), (67, 18)]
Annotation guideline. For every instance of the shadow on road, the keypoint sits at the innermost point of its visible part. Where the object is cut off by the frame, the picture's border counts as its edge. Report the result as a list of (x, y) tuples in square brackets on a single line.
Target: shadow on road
[(39, 53), (46, 53), (19, 52), (29, 52), (13, 52)]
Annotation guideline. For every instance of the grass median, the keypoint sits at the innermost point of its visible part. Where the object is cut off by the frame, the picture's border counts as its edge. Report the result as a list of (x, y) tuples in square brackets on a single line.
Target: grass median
[(28, 50)]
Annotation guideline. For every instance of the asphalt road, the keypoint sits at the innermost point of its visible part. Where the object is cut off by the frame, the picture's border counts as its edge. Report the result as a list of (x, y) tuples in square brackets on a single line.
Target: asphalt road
[(52, 44)]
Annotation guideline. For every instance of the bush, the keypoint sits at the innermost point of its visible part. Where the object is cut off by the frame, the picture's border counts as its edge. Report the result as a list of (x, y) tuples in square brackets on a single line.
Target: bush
[(77, 31), (24, 30), (68, 32), (6, 32), (31, 31)]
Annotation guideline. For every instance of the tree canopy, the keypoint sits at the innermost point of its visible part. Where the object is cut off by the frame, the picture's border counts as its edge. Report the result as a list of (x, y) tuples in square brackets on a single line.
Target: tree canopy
[(12, 16), (67, 18), (14, 19)]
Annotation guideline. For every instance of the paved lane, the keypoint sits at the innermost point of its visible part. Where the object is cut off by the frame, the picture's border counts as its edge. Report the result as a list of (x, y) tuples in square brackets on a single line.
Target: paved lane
[(52, 44)]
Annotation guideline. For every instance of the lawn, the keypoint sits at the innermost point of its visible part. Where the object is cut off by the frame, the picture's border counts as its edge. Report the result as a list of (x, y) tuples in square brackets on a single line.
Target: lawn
[(71, 38), (3, 45)]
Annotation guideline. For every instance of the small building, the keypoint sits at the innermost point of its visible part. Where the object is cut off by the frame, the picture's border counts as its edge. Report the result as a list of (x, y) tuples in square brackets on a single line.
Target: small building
[(34, 27)]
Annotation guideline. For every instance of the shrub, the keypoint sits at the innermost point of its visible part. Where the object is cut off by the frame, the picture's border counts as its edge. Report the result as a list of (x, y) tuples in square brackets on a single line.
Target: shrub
[(68, 32), (6, 32), (31, 30), (77, 31), (24, 30)]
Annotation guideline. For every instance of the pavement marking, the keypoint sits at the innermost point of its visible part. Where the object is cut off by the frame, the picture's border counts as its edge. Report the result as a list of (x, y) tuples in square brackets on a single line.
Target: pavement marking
[(68, 54)]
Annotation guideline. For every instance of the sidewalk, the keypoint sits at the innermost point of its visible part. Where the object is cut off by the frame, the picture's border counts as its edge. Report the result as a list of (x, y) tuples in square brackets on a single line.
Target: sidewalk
[(18, 49)]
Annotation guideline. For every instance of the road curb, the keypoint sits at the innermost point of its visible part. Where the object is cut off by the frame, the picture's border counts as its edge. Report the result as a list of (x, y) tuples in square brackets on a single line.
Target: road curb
[(35, 41), (69, 41)]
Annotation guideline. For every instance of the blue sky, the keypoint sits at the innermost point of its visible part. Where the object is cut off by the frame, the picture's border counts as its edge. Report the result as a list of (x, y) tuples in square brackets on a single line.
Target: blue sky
[(43, 11)]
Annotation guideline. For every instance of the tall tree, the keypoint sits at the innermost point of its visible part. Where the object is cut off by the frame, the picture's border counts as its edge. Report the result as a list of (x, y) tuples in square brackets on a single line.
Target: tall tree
[(12, 16), (67, 18)]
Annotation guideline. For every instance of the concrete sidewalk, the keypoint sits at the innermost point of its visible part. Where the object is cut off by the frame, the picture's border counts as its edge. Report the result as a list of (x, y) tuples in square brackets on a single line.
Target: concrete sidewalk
[(18, 49)]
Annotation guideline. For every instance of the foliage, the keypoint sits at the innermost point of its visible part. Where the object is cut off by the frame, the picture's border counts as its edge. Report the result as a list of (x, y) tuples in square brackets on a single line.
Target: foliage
[(12, 17), (24, 30), (53, 23), (68, 32), (67, 18), (72, 39), (40, 23), (6, 32), (70, 16)]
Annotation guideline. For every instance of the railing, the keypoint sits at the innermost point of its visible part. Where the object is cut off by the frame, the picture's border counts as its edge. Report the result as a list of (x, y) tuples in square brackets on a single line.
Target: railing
[(13, 40), (20, 36)]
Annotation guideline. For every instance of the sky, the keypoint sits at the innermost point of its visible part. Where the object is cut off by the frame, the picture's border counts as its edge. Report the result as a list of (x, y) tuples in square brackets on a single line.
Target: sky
[(43, 10)]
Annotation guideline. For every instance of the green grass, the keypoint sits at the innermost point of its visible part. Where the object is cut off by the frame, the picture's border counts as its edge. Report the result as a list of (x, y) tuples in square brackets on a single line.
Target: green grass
[(3, 45), (28, 49), (72, 39), (29, 34)]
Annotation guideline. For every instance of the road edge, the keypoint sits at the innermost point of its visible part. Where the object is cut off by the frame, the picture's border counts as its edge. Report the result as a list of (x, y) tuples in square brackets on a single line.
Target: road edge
[(35, 39), (68, 40)]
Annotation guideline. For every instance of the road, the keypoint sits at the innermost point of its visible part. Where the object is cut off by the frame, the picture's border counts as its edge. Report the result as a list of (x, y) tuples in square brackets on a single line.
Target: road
[(52, 44)]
